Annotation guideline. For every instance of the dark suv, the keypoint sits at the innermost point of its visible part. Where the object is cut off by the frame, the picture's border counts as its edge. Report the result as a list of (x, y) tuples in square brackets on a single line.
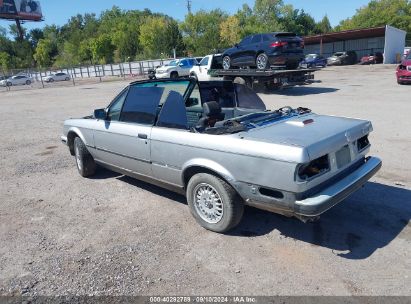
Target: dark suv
[(264, 51)]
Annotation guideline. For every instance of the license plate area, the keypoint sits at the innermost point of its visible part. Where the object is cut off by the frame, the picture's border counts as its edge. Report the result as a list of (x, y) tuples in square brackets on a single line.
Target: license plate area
[(343, 157)]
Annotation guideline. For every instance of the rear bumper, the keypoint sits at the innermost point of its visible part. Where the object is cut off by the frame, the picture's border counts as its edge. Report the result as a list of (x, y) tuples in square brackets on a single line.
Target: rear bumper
[(284, 58), (326, 199)]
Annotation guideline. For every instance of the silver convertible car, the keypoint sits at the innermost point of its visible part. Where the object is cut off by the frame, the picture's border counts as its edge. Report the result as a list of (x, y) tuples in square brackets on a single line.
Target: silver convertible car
[(223, 156)]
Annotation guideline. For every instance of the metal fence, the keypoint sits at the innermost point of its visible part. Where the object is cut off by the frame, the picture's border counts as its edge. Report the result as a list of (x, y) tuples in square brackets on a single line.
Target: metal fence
[(83, 74)]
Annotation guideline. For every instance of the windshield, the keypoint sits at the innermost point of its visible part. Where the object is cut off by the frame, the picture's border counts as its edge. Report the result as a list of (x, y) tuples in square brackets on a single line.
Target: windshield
[(409, 55), (173, 63), (311, 56)]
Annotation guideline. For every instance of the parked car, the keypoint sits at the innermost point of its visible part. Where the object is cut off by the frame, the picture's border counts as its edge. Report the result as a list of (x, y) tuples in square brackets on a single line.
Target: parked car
[(264, 51), (289, 161), (313, 60), (61, 76), (17, 80), (404, 71), (201, 70), (176, 68), (152, 72), (372, 58), (343, 58)]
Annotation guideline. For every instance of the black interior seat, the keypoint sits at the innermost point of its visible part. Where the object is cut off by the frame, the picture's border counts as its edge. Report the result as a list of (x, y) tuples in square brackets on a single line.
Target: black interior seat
[(212, 113)]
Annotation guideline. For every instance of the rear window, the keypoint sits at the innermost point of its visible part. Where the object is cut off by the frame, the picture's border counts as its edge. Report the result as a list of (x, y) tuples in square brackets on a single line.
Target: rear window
[(281, 35)]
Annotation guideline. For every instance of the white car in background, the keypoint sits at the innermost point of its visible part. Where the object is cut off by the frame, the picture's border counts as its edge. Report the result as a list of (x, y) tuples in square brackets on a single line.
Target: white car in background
[(57, 77), (17, 80), (176, 68)]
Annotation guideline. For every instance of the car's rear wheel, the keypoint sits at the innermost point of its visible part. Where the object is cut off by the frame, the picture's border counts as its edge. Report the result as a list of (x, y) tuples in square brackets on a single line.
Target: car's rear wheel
[(28, 82), (261, 62), (226, 62), (174, 75), (67, 78), (215, 205), (85, 162)]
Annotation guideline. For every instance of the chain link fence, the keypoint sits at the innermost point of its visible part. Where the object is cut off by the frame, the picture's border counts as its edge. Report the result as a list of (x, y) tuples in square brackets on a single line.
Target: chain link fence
[(20, 79)]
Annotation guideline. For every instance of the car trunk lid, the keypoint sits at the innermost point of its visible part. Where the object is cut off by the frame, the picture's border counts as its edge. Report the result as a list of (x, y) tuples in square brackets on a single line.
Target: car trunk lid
[(319, 134)]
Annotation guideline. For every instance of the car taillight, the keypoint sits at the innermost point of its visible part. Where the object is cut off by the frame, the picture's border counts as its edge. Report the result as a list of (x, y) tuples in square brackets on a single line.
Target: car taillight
[(314, 168), (278, 43), (302, 44)]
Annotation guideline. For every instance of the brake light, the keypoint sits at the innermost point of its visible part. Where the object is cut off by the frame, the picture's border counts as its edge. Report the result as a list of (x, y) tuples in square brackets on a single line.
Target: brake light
[(279, 43), (302, 44)]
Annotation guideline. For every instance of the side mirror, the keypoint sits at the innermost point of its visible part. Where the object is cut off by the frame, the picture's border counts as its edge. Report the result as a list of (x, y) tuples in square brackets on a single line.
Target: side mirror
[(180, 64), (100, 114)]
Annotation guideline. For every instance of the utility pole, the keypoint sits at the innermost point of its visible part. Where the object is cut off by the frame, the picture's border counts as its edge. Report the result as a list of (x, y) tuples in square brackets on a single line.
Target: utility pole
[(189, 6)]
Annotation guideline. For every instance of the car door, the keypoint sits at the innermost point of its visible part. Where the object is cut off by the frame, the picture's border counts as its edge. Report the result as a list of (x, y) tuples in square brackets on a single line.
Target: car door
[(184, 68), (123, 139), (239, 55), (202, 74), (251, 51)]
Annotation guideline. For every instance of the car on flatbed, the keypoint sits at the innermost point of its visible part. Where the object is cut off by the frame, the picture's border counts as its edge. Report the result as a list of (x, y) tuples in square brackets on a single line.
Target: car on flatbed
[(265, 51), (289, 161)]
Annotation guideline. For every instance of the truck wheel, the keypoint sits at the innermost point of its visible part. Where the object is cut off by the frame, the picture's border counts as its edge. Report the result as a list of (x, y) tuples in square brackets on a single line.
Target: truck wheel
[(226, 62), (85, 162), (174, 75), (215, 205), (261, 62)]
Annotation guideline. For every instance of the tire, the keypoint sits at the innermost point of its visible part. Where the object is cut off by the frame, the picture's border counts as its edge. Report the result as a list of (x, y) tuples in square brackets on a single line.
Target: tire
[(51, 80), (174, 75), (85, 162), (226, 63), (261, 62), (225, 197), (67, 78), (9, 84), (28, 82)]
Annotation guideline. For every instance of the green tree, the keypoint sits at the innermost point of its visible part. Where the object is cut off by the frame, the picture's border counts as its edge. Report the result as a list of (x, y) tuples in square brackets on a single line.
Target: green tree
[(230, 30), (379, 13), (152, 36), (324, 26), (5, 61), (43, 53), (201, 31), (102, 49)]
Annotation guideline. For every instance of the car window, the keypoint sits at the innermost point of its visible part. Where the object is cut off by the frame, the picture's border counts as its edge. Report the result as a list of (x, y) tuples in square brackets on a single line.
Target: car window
[(247, 98), (184, 63), (192, 62), (194, 102), (115, 108), (204, 62), (219, 91), (267, 37), (256, 39), (140, 105), (177, 86), (173, 114), (246, 40)]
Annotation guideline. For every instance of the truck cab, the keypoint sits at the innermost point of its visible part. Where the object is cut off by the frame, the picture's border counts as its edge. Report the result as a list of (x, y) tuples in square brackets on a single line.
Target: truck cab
[(201, 70)]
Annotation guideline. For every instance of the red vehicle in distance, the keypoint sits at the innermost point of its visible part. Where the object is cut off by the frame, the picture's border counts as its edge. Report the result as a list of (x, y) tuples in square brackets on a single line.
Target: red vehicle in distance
[(404, 70)]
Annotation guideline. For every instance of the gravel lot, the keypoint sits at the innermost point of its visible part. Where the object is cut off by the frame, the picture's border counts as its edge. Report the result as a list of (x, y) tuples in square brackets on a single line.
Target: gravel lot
[(61, 234)]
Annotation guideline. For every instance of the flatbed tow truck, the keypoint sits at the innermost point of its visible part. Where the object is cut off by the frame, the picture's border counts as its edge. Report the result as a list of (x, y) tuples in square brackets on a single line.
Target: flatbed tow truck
[(210, 69)]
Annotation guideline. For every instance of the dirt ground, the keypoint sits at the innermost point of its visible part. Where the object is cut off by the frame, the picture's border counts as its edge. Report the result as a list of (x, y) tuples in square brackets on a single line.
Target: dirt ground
[(61, 234)]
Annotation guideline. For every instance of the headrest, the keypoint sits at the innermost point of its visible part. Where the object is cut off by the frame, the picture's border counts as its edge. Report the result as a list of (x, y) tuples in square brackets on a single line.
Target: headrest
[(211, 108)]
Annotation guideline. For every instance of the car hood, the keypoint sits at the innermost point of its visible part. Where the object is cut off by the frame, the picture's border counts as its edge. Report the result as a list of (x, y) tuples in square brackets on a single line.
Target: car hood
[(406, 62), (317, 134)]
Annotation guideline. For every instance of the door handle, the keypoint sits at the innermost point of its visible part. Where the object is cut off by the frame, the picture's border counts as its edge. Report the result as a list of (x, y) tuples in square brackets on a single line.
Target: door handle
[(142, 136)]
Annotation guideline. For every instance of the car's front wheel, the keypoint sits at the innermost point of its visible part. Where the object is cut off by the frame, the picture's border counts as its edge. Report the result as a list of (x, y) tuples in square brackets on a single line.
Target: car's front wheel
[(261, 62), (85, 162), (28, 82), (174, 75), (215, 205), (67, 78), (226, 62)]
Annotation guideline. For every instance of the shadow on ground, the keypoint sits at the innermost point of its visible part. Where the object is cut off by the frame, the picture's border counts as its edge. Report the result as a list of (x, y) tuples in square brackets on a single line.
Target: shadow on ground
[(368, 220), (302, 91)]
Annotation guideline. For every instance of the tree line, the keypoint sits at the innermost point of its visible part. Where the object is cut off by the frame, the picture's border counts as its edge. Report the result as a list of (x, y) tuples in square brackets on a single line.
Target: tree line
[(123, 35)]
